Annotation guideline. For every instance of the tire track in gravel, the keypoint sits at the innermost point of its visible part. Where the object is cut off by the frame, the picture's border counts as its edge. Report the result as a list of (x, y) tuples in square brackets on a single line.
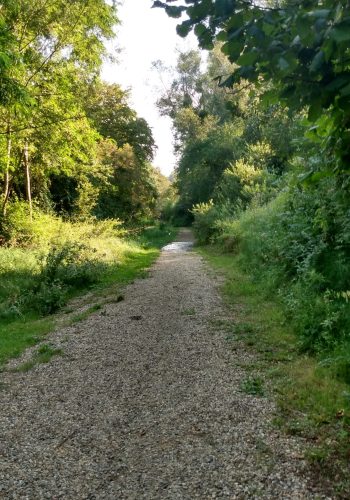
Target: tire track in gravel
[(146, 403)]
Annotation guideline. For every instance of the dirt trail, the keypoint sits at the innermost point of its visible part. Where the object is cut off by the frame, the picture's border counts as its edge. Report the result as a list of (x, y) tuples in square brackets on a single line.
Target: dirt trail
[(146, 403)]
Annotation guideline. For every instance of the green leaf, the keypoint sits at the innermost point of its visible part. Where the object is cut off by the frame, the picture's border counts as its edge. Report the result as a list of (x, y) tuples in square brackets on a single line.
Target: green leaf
[(184, 28), (304, 29), (157, 3), (345, 91), (319, 13), (200, 11), (283, 64), (235, 22), (5, 60), (341, 32), (288, 92), (315, 110), (232, 49), (343, 103), (200, 29), (247, 59), (269, 97), (223, 8), (340, 81), (268, 28), (317, 62), (312, 177), (247, 72), (173, 11), (222, 36), (231, 35)]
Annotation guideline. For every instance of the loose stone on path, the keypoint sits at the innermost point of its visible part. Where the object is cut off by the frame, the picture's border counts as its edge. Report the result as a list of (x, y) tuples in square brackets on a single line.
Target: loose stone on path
[(146, 403)]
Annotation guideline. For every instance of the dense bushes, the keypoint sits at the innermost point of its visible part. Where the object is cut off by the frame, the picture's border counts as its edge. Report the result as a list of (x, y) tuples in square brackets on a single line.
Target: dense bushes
[(247, 176), (48, 259), (18, 230), (66, 267), (298, 247)]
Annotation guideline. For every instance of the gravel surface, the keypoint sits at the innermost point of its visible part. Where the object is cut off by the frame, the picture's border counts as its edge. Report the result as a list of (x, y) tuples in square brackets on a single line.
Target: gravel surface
[(146, 403)]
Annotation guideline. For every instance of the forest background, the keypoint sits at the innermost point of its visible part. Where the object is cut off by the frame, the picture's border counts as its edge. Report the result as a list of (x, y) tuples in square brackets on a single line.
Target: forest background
[(262, 138), (77, 182)]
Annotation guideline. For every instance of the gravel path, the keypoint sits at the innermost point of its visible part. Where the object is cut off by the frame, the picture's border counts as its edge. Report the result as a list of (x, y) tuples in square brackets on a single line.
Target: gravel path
[(146, 403)]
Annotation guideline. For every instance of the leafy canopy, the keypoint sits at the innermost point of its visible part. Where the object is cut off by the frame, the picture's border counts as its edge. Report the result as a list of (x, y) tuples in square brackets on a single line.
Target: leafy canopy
[(301, 46)]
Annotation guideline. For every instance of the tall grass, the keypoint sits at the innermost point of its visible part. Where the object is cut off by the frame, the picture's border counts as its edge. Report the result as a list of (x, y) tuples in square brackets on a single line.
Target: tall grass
[(48, 261)]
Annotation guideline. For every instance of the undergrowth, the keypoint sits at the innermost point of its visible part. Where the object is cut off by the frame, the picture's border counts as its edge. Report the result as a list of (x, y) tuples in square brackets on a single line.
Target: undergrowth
[(312, 391), (41, 271)]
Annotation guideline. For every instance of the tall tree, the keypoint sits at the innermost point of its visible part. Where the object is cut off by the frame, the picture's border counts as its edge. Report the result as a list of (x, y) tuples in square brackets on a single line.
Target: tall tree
[(302, 47), (58, 48), (125, 153)]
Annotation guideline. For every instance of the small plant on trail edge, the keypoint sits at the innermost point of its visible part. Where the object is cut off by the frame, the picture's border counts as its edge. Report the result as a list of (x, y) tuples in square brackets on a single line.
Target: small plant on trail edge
[(43, 355), (189, 312), (253, 386), (66, 267)]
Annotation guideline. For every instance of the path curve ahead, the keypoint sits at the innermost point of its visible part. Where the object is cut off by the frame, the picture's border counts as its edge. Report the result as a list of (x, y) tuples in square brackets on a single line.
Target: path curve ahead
[(146, 403)]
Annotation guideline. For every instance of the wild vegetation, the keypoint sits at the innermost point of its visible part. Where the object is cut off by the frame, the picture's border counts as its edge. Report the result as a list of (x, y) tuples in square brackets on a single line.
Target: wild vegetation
[(262, 138), (76, 175)]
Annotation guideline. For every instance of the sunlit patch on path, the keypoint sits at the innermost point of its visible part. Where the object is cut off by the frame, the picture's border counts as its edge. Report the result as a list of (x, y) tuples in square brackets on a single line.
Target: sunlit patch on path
[(178, 246)]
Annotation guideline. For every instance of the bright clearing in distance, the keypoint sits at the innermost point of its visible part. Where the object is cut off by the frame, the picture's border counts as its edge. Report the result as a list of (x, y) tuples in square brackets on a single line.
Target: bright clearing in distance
[(146, 35)]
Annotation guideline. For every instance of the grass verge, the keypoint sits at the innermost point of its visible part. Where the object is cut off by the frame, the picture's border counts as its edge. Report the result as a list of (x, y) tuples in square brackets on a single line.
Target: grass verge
[(312, 401), (123, 260)]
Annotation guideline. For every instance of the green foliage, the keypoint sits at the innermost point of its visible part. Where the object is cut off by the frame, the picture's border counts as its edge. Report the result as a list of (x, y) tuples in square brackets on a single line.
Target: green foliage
[(253, 386), (46, 229), (61, 258), (125, 185), (18, 230), (203, 162), (301, 48), (36, 281), (297, 244), (56, 117), (243, 181), (311, 391), (222, 136), (205, 216), (70, 266)]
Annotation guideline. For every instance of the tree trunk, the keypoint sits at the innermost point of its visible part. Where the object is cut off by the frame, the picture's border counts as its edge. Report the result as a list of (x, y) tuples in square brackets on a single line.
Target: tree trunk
[(27, 178), (7, 171)]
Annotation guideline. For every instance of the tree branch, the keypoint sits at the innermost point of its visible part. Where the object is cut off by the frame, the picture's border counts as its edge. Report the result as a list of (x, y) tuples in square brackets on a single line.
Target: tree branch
[(46, 124)]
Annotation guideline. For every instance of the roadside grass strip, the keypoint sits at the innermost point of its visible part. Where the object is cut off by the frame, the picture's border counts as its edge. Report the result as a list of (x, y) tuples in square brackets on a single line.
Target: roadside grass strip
[(313, 401)]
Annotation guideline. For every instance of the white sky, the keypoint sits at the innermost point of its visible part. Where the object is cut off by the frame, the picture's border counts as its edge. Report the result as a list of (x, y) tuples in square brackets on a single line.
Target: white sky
[(146, 35)]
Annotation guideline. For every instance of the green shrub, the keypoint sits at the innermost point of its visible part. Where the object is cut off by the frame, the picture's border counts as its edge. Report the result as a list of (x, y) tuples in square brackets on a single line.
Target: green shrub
[(19, 230), (298, 247), (64, 268), (47, 298), (338, 362), (205, 216), (47, 229)]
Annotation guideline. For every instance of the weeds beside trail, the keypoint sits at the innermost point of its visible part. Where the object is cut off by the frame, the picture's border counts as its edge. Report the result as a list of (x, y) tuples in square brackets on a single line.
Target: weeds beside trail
[(146, 401), (313, 401), (39, 277)]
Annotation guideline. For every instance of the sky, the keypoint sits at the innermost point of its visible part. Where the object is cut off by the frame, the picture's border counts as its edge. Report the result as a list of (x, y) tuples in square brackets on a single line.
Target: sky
[(146, 35)]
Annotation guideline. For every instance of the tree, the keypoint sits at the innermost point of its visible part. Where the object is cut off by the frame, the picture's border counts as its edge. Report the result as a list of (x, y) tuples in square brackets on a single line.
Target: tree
[(125, 153), (58, 48), (111, 114), (302, 47)]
